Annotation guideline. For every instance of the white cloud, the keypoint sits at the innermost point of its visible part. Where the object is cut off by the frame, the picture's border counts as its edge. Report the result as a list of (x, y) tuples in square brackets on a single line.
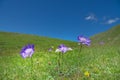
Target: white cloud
[(91, 17), (110, 21), (102, 20)]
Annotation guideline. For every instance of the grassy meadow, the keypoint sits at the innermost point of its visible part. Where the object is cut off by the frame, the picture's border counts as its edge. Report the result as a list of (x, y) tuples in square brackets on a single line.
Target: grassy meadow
[(95, 62)]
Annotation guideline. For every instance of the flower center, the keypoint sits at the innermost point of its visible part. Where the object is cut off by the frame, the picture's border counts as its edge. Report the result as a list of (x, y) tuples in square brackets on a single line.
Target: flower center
[(28, 50), (83, 40)]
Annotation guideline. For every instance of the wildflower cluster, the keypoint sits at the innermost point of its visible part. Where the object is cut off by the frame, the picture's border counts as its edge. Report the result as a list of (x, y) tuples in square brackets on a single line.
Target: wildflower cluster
[(28, 50)]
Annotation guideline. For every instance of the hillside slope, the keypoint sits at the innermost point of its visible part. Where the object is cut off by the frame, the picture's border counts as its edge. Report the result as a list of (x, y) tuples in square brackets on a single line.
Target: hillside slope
[(13, 42), (110, 37)]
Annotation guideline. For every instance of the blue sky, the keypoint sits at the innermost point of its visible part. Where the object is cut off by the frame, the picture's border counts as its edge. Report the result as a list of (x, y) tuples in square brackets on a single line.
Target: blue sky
[(64, 19)]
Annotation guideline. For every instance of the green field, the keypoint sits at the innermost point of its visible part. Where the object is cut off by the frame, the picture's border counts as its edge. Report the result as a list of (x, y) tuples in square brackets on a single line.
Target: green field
[(101, 61)]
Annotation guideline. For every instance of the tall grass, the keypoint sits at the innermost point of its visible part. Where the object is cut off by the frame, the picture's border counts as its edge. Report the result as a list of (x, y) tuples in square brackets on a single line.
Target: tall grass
[(102, 63)]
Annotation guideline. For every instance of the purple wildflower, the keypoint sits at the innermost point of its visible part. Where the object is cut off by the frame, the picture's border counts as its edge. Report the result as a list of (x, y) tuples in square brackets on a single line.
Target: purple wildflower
[(62, 48), (27, 51), (101, 42), (50, 49), (84, 40)]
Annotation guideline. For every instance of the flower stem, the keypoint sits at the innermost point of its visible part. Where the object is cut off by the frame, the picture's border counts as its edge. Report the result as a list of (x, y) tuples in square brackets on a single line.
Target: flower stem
[(31, 66), (59, 63), (80, 48)]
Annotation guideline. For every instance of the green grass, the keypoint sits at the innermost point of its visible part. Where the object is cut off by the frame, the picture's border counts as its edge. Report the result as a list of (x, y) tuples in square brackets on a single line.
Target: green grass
[(110, 37), (11, 43), (101, 62)]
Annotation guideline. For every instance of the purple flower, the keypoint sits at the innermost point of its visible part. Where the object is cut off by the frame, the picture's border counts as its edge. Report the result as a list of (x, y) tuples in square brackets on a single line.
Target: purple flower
[(50, 49), (101, 42), (84, 40), (62, 48), (27, 51)]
